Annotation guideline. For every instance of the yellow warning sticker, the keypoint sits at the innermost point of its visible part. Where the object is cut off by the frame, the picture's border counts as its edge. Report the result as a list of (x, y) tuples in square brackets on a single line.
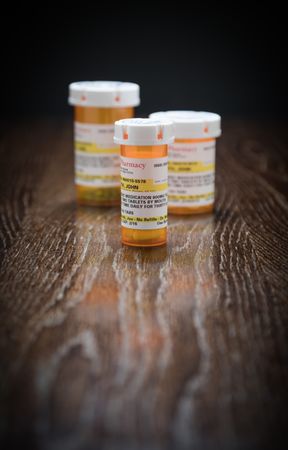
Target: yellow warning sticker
[(189, 166), (137, 220), (142, 185), (87, 177), (190, 197), (91, 147)]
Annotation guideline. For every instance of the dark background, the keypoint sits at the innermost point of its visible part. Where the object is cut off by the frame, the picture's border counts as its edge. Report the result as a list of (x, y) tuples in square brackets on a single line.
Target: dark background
[(230, 62)]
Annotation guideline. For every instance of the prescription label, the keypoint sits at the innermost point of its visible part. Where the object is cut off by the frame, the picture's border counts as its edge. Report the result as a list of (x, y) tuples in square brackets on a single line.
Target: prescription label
[(191, 173), (97, 161), (144, 191)]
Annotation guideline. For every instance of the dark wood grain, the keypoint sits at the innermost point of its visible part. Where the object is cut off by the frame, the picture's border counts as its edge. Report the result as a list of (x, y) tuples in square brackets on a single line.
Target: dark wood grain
[(109, 347)]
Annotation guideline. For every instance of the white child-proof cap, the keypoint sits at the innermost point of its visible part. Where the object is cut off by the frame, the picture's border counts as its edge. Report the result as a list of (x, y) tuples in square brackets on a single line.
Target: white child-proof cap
[(192, 124), (143, 132), (104, 94)]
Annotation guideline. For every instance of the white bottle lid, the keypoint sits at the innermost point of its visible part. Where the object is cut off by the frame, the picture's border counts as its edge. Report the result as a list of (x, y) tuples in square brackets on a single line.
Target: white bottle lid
[(192, 124), (143, 132), (104, 94)]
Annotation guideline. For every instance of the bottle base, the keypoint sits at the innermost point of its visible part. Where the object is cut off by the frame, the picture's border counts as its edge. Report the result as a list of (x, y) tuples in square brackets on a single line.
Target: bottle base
[(188, 210), (144, 238)]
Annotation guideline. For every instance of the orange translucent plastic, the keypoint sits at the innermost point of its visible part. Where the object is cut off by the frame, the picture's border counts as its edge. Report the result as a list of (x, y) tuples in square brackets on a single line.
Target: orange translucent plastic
[(187, 210), (98, 196), (144, 238)]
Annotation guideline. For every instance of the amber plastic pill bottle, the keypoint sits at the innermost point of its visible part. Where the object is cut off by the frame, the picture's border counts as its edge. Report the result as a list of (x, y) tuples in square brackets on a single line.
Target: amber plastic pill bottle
[(144, 176), (97, 105), (191, 168)]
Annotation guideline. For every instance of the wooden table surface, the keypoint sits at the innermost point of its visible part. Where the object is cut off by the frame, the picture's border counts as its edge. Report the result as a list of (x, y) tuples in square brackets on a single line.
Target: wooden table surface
[(109, 347)]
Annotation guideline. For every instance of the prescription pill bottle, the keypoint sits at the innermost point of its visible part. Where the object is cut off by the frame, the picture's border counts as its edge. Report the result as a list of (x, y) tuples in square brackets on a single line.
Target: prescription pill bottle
[(191, 166), (97, 105), (144, 178)]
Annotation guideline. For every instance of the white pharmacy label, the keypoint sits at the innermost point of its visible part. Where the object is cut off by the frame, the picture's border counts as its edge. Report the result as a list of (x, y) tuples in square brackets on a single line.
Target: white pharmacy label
[(144, 191), (97, 161), (191, 173)]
